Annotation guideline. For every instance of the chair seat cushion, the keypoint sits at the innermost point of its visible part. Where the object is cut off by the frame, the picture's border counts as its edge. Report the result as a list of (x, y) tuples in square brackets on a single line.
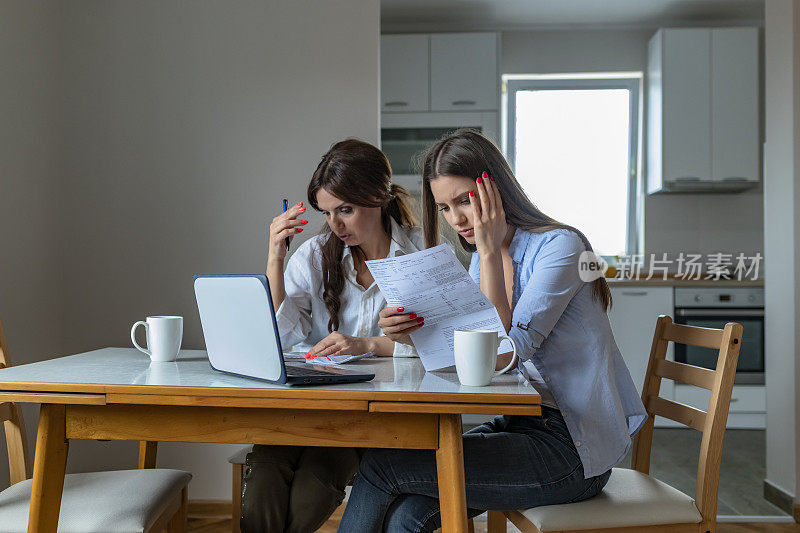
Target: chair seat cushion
[(116, 501), (630, 498)]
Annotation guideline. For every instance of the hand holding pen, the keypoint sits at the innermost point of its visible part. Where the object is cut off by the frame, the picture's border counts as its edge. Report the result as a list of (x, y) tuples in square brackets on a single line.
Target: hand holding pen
[(283, 228)]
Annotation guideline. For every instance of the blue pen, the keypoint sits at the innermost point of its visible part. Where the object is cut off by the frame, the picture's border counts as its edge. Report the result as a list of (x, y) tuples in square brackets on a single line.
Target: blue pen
[(285, 207)]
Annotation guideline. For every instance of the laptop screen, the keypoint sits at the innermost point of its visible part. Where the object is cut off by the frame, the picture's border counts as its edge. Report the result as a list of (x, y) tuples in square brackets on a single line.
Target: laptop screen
[(239, 325)]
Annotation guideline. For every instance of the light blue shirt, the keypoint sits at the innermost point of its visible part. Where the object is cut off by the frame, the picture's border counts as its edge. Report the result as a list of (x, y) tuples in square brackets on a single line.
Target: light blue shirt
[(565, 333)]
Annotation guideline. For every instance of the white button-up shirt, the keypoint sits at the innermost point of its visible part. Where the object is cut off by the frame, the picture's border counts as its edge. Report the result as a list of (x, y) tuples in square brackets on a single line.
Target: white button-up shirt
[(303, 318)]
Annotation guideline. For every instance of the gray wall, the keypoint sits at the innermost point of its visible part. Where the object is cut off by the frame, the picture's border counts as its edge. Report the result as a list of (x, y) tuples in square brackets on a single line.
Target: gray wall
[(673, 223), (782, 244), (183, 125), (31, 270)]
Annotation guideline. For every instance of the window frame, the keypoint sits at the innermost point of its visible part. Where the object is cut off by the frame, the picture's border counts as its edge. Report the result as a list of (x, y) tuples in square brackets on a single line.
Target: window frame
[(632, 82)]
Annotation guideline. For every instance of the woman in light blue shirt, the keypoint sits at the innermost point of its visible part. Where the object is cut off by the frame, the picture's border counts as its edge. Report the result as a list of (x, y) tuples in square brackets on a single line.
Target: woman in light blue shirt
[(527, 264)]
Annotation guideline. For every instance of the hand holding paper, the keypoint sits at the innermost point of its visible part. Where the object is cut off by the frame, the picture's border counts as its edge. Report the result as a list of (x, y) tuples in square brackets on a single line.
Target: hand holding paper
[(433, 284)]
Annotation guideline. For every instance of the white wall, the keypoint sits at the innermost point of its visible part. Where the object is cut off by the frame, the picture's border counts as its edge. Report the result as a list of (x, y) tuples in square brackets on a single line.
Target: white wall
[(673, 223), (31, 272), (184, 125), (782, 243)]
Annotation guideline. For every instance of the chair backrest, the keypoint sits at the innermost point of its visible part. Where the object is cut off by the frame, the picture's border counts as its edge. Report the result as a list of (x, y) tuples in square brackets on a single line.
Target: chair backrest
[(11, 416), (711, 422)]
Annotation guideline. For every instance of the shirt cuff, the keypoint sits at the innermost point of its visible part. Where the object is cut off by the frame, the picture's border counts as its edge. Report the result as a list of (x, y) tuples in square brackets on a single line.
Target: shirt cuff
[(527, 341), (404, 350)]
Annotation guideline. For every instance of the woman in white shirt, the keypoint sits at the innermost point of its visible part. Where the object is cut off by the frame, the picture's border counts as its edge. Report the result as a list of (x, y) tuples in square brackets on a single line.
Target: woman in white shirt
[(328, 303)]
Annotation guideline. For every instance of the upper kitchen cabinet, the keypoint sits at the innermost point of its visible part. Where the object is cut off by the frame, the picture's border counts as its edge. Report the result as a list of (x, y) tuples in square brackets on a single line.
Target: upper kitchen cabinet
[(703, 104), (405, 62), (439, 72), (734, 105), (464, 75)]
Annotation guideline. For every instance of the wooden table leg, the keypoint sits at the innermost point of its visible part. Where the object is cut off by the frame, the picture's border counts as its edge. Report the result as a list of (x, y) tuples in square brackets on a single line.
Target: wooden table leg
[(450, 471), (147, 453), (49, 466)]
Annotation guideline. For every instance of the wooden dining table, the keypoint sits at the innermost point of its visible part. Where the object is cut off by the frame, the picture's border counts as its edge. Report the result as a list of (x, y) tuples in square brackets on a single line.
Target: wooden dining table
[(118, 394)]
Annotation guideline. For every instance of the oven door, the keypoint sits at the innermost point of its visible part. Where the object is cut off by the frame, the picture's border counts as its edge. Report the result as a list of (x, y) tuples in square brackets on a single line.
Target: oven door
[(750, 369)]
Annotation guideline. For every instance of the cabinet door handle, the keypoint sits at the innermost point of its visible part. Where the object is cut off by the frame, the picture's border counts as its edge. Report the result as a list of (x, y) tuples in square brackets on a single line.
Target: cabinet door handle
[(464, 102), (634, 293), (396, 103), (734, 400), (734, 178), (687, 178)]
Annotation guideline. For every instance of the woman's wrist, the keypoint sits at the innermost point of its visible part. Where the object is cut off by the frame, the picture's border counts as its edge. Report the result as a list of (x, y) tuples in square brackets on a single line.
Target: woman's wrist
[(491, 256), (275, 262), (382, 346)]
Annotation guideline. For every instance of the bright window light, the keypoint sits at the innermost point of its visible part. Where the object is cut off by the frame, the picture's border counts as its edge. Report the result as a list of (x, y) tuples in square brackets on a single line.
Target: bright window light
[(571, 156)]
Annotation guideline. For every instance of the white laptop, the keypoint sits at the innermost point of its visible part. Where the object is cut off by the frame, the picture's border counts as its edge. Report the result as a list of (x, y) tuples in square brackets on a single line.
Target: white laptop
[(242, 337)]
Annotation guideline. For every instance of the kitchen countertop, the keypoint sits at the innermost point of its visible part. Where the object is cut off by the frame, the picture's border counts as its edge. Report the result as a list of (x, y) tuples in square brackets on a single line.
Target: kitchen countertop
[(672, 281)]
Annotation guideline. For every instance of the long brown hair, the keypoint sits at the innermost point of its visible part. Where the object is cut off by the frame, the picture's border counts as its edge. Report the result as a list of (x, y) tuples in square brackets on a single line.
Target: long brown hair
[(360, 174), (468, 153)]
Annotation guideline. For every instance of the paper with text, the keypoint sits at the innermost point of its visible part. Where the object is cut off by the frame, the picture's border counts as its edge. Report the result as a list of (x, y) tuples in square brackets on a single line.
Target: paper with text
[(434, 285), (331, 360)]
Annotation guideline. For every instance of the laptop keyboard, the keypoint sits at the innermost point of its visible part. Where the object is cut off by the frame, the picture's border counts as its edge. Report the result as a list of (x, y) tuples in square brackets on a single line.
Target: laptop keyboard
[(297, 370)]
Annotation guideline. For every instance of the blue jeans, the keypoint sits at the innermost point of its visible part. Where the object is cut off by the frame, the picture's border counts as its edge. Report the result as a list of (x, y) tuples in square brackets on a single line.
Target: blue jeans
[(511, 462)]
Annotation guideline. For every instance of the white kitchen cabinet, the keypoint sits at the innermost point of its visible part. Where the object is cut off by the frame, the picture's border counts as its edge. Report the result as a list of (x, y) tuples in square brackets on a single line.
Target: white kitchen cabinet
[(464, 71), (748, 404), (633, 320), (440, 72), (703, 110), (404, 72), (734, 105)]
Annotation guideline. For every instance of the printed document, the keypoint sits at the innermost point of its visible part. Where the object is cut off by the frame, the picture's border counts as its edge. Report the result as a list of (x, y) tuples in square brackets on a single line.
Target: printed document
[(333, 360), (434, 285)]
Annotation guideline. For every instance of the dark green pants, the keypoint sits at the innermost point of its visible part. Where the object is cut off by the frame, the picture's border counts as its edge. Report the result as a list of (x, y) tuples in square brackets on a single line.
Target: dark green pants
[(294, 488)]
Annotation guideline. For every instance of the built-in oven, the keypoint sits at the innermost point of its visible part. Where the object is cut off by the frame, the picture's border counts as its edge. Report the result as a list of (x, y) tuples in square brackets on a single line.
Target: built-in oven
[(713, 307), (406, 136)]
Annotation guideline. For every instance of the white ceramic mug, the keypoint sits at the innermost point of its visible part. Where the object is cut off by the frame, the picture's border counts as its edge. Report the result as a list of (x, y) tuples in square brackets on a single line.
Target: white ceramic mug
[(164, 336), (476, 356)]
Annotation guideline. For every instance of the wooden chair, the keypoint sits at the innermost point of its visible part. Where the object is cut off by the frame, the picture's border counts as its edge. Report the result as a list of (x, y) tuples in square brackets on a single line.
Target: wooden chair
[(145, 500), (632, 500)]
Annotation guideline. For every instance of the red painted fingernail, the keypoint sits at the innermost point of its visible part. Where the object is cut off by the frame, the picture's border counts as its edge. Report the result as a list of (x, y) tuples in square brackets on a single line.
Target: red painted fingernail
[(400, 309), (471, 193), (485, 174), (412, 315), (299, 230), (479, 180), (307, 355), (302, 209), (420, 320), (491, 178), (304, 222), (299, 204)]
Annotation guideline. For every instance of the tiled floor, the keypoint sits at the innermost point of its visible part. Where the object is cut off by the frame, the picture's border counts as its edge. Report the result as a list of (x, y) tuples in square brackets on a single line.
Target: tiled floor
[(741, 480)]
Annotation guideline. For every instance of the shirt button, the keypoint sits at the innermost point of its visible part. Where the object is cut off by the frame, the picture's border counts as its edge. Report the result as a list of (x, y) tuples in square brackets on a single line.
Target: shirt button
[(577, 443), (547, 379)]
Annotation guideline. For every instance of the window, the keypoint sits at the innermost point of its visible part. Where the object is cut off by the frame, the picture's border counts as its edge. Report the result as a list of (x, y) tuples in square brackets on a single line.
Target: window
[(573, 144)]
